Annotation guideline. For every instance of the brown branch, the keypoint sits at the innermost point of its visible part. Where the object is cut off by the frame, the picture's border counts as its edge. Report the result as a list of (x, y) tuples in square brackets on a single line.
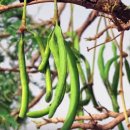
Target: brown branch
[(61, 8), (100, 33), (112, 7), (36, 25), (35, 58), (29, 70), (107, 126), (78, 118), (17, 70), (109, 40), (118, 117)]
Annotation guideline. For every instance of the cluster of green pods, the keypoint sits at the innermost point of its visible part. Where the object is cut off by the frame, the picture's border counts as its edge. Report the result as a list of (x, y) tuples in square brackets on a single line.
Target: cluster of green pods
[(67, 59), (104, 69)]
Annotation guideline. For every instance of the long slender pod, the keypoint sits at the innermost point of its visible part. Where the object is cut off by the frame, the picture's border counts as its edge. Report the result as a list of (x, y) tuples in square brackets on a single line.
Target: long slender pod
[(82, 76), (24, 78), (85, 88), (63, 70), (47, 68), (54, 50), (74, 92), (45, 59), (80, 70), (89, 90)]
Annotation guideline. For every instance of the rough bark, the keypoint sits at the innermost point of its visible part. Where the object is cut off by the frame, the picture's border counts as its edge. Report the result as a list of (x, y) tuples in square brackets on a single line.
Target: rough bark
[(113, 7)]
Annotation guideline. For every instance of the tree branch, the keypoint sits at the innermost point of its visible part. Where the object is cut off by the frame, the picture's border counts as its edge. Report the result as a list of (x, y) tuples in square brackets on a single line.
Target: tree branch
[(118, 117), (112, 7)]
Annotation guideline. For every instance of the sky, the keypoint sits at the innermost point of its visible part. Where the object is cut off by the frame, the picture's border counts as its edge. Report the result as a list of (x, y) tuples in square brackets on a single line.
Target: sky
[(44, 12)]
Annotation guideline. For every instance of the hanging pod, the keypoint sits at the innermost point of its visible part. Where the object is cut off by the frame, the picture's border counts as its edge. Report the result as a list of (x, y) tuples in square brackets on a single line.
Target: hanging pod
[(62, 73), (51, 42), (82, 76), (47, 70), (74, 91), (45, 59), (23, 78)]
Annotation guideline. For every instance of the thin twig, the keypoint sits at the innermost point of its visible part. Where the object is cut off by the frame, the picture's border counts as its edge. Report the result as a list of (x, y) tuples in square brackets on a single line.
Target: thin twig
[(121, 92), (94, 52), (118, 117), (103, 42), (100, 33)]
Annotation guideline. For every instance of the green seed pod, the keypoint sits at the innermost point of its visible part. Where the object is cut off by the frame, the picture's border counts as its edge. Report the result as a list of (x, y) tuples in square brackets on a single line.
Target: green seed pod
[(74, 92), (45, 59), (24, 79), (39, 113), (62, 70), (48, 96)]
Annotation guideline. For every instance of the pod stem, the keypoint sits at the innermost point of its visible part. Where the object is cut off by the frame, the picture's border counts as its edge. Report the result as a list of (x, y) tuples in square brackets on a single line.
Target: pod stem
[(55, 12), (107, 32), (23, 21), (93, 66), (94, 52), (24, 13), (121, 92), (71, 23)]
